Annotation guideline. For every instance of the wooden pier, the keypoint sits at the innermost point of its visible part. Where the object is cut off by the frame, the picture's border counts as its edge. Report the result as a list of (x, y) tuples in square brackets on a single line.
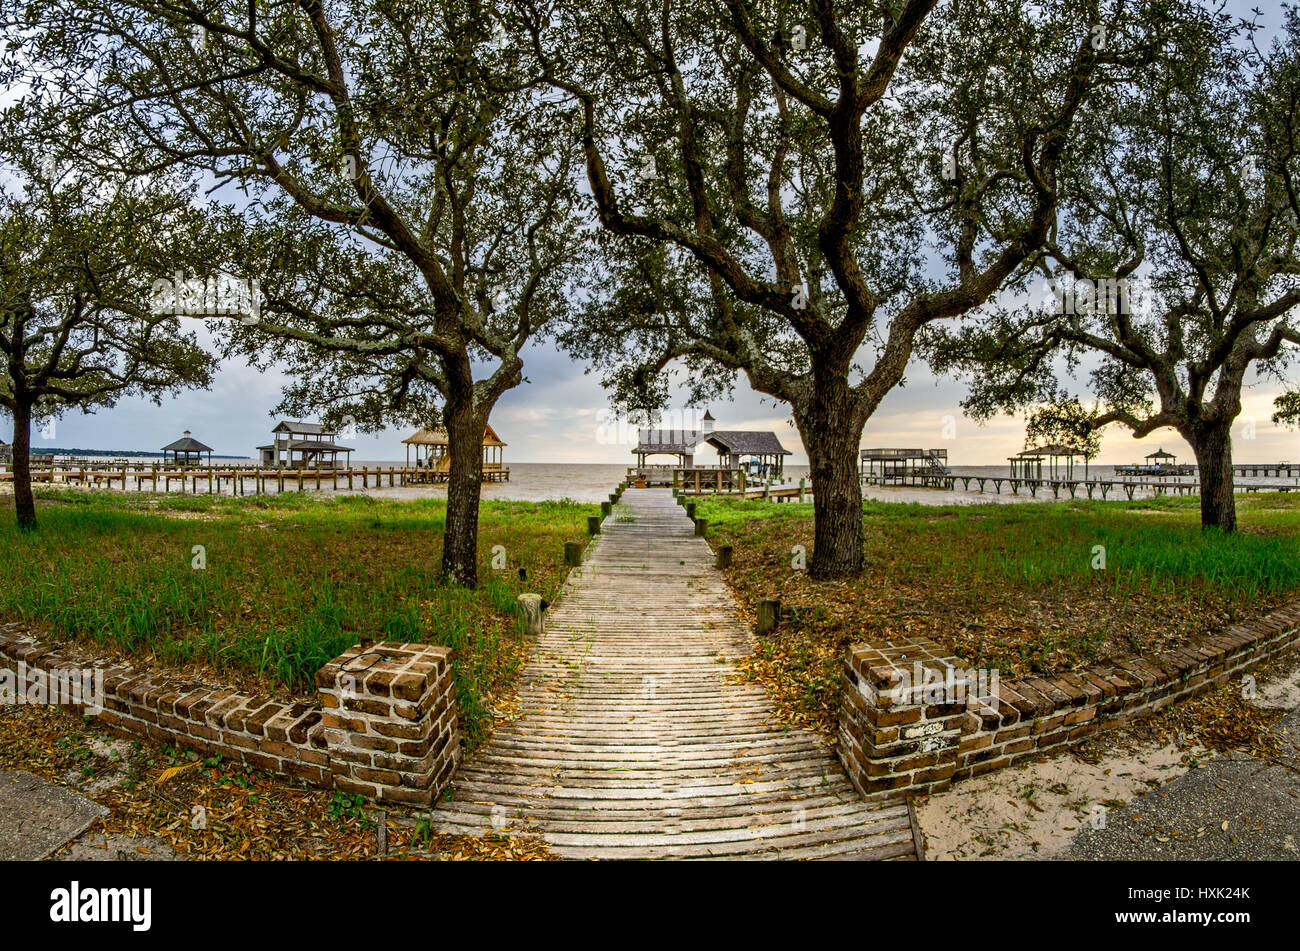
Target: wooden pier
[(689, 478), (232, 480), (637, 737), (1277, 470), (1092, 487)]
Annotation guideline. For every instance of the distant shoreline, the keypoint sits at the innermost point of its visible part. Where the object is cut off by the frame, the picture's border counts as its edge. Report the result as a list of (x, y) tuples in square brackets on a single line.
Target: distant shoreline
[(111, 454)]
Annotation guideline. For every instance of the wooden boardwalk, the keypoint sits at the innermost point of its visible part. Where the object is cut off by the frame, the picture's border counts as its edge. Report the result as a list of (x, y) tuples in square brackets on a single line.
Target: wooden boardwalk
[(637, 739)]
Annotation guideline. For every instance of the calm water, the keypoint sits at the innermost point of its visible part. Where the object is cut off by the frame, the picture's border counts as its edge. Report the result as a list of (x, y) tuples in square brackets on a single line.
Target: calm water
[(535, 481)]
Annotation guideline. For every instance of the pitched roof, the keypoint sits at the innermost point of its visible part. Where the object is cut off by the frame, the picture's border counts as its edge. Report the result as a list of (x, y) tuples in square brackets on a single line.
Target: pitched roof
[(1055, 449), (437, 436), (743, 442), (318, 444), (299, 428), (757, 442), (666, 440), (186, 444), (1160, 454)]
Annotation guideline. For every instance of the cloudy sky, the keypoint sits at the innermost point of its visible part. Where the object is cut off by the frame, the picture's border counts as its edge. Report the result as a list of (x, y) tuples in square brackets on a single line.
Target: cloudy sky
[(560, 416)]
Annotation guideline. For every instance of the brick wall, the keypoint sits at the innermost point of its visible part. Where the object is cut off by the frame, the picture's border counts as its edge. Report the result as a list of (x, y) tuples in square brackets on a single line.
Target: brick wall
[(897, 738), (388, 719), (384, 725)]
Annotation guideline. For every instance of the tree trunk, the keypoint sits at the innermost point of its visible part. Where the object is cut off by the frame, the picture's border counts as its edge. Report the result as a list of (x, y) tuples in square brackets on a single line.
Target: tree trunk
[(464, 483), (1213, 448), (831, 437), (24, 502)]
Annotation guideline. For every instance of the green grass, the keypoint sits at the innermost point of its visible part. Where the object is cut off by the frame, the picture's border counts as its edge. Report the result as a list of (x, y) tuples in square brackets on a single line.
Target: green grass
[(1010, 587), (290, 581), (1155, 546)]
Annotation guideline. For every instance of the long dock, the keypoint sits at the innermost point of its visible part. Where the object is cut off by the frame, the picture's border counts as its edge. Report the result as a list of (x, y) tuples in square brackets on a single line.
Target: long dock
[(1093, 487), (237, 480), (638, 739)]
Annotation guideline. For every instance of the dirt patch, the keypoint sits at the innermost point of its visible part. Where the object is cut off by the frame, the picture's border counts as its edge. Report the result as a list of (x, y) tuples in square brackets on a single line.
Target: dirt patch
[(165, 802), (1034, 810)]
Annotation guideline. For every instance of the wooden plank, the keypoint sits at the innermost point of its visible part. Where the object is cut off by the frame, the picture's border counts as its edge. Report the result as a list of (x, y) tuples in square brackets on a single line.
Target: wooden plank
[(639, 739)]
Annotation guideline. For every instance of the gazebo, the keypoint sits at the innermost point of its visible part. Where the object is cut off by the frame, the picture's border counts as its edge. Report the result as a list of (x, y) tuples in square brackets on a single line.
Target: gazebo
[(1160, 458), (439, 455), (1030, 462), (185, 447)]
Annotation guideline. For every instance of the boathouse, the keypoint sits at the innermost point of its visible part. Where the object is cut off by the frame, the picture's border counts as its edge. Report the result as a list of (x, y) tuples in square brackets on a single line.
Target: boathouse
[(302, 445), (759, 451), (881, 466)]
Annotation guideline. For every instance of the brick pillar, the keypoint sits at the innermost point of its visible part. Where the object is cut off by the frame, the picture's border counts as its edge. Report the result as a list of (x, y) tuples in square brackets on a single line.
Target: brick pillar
[(903, 711), (388, 721)]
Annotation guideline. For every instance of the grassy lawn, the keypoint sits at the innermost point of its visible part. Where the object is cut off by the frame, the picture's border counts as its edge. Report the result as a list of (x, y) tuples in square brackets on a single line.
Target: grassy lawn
[(1006, 586), (290, 581)]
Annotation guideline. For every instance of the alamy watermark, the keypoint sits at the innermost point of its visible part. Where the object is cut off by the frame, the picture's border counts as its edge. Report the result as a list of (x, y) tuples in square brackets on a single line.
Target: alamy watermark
[(674, 428), (68, 686), (1070, 294), (218, 295)]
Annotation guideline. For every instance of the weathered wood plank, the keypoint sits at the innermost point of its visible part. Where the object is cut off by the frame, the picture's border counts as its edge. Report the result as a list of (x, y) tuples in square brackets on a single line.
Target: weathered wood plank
[(638, 738)]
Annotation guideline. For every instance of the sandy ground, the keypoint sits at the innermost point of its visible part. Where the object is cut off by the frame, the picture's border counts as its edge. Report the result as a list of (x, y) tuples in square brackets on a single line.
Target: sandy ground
[(1037, 809)]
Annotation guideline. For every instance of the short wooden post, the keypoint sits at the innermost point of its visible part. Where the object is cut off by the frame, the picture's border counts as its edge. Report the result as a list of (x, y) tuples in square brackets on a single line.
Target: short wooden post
[(573, 553), (769, 612), (801, 491), (724, 556), (532, 609), (593, 524), (701, 525), (606, 508), (690, 510)]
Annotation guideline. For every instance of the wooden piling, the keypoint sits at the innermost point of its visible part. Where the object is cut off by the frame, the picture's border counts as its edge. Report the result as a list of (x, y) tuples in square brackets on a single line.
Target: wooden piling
[(769, 612)]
